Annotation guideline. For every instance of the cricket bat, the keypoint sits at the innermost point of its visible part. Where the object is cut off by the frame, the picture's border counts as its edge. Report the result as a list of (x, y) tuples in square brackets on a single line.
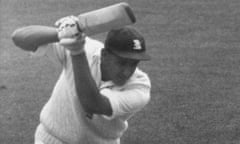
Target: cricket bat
[(93, 22)]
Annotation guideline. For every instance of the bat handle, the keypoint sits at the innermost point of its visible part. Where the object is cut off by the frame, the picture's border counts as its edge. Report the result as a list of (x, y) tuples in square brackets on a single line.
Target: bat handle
[(31, 37)]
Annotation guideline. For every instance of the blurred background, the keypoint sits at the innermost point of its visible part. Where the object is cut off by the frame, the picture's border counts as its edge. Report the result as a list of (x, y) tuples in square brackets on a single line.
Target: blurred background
[(194, 44)]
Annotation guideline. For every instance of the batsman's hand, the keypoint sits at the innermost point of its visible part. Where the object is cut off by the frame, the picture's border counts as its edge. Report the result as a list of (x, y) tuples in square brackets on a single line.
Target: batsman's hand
[(71, 34)]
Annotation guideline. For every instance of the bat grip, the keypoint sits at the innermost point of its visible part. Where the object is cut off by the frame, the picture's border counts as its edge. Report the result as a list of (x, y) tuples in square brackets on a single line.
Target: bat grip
[(31, 37)]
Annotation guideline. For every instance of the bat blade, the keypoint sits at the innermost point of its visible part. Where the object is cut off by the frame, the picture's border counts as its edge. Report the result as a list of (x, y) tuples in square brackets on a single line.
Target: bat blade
[(104, 19)]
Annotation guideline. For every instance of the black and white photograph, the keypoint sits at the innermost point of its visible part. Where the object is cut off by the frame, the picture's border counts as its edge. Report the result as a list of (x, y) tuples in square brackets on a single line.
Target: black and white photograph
[(119, 72)]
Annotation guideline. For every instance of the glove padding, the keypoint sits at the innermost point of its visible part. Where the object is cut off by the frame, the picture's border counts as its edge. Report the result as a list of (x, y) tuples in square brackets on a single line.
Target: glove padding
[(70, 34)]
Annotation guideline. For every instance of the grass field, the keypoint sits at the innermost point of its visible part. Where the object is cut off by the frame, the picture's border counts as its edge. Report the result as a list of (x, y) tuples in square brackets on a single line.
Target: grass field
[(194, 70)]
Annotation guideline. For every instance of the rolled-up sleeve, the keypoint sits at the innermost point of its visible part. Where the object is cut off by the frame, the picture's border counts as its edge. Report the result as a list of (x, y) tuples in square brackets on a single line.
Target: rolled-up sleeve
[(54, 52), (128, 101)]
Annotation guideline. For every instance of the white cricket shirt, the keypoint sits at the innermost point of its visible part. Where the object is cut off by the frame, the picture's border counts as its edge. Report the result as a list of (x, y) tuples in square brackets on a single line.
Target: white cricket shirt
[(63, 115)]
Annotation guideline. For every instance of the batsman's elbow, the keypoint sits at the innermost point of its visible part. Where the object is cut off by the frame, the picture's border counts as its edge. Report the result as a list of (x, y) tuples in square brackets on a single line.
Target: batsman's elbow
[(99, 106), (20, 39)]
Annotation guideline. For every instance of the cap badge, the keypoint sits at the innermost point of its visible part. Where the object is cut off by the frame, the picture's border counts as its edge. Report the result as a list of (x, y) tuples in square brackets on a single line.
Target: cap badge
[(137, 44)]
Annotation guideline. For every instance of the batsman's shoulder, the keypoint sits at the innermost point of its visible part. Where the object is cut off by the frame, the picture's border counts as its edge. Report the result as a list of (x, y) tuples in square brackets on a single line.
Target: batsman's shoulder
[(140, 78), (93, 45)]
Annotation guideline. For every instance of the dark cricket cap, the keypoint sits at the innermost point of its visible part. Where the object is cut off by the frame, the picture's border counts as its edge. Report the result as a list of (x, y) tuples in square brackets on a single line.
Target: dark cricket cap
[(126, 42)]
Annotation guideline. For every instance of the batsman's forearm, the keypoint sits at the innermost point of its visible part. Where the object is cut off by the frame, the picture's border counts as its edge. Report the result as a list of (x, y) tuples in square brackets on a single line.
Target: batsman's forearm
[(31, 37), (90, 98)]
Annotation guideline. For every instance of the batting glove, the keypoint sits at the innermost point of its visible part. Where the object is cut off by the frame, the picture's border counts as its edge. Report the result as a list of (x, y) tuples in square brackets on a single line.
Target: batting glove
[(70, 34)]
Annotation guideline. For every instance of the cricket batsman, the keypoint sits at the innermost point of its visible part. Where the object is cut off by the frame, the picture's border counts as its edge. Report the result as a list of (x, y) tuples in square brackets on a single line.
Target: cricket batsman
[(100, 86)]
